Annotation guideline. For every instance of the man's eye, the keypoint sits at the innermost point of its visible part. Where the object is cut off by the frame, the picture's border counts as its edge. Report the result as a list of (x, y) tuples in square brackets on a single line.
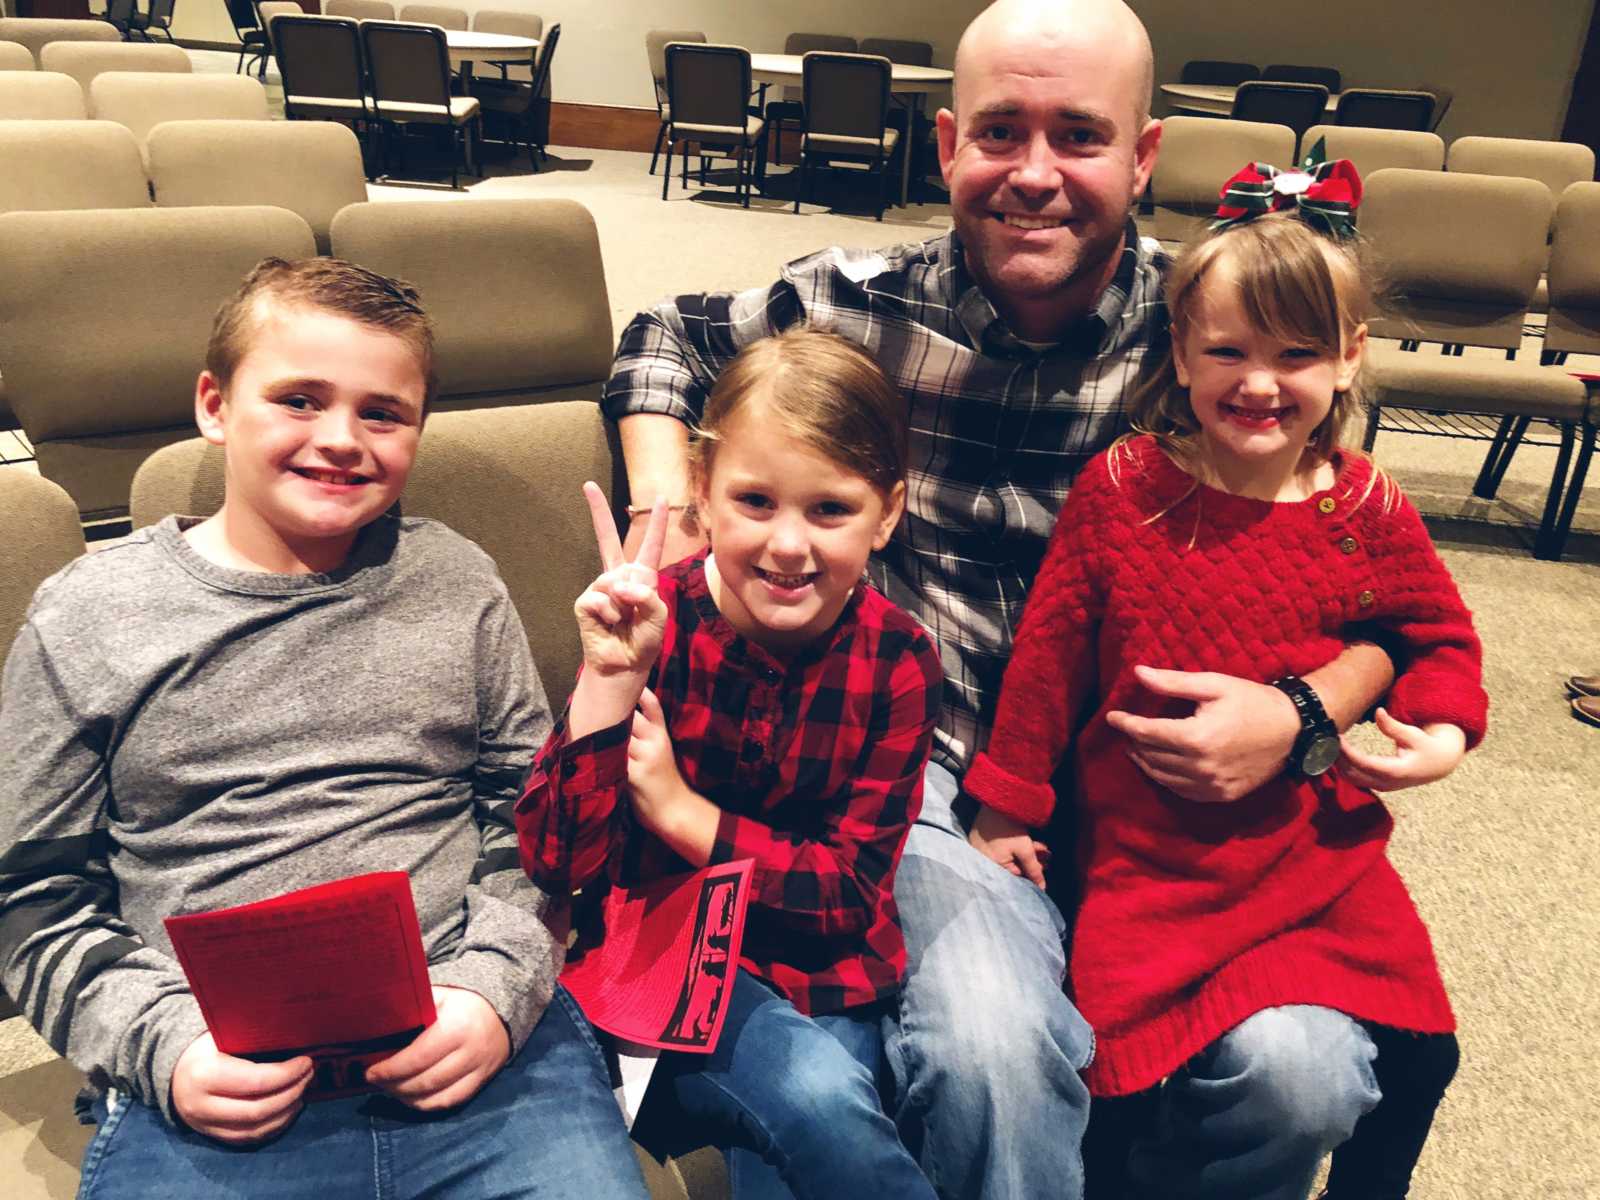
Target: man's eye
[(995, 133), (1084, 137)]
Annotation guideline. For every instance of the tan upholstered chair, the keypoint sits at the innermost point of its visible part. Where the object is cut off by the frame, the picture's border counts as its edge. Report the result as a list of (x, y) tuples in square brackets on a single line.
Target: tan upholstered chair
[(408, 73), (83, 61), (40, 96), (655, 49), (516, 24), (708, 87), (1374, 149), (846, 113), (40, 531), (1198, 155), (104, 318), (38, 32), (309, 167), (1462, 255), (142, 100), (443, 15), (494, 476), (359, 10), (54, 165), (1554, 164), (14, 56), (516, 290)]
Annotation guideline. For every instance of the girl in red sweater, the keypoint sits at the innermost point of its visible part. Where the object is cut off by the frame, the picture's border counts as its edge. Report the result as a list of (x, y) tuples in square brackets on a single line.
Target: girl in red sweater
[(1245, 963)]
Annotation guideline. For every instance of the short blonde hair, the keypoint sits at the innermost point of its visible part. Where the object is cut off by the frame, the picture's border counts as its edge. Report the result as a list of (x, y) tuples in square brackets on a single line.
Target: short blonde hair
[(823, 390)]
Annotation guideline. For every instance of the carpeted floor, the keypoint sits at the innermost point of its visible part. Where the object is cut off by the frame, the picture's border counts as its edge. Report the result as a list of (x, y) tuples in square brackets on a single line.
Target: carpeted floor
[(1500, 856)]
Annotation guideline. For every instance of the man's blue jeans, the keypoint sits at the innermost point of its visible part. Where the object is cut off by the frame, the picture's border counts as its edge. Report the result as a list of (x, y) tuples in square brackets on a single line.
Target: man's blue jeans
[(986, 1052), (793, 1100), (545, 1126)]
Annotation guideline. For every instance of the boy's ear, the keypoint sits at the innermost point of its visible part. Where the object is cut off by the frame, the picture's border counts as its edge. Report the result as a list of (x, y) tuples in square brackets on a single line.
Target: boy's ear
[(208, 403), (892, 508), (1350, 359)]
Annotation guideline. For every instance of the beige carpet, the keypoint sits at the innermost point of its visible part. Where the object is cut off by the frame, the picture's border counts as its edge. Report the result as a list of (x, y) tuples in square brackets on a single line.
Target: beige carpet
[(1500, 856)]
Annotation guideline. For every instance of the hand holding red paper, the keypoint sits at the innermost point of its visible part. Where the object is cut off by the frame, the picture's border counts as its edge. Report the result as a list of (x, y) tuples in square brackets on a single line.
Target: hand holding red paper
[(233, 1099), (449, 1060)]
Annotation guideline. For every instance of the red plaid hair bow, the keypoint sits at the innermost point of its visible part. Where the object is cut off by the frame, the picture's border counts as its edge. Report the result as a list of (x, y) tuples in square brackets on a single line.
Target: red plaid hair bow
[(1323, 194)]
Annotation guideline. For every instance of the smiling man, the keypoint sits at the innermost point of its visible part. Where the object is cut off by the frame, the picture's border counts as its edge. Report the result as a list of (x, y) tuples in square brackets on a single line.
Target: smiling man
[(1017, 339)]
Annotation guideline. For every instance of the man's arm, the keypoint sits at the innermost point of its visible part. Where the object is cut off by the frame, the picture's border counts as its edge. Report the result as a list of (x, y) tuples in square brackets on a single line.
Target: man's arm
[(655, 448), (1241, 732)]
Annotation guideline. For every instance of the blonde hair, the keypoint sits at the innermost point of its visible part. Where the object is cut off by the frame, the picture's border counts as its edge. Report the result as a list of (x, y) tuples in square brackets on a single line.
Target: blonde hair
[(821, 389), (1295, 285)]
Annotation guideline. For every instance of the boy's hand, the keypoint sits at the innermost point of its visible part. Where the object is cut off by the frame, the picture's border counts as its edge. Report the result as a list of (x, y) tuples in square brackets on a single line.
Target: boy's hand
[(621, 618), (997, 837), (451, 1059), (233, 1099), (1424, 754)]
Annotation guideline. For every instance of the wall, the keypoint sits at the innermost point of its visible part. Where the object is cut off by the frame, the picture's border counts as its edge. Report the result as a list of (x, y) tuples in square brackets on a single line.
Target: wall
[(1510, 64)]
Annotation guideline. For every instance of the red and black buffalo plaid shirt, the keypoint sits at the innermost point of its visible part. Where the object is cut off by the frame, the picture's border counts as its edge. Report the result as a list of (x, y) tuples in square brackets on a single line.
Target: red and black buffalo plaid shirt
[(815, 761)]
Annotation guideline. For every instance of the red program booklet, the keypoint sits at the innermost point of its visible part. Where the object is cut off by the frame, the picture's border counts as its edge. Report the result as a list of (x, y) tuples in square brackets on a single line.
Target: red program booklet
[(334, 971), (661, 974)]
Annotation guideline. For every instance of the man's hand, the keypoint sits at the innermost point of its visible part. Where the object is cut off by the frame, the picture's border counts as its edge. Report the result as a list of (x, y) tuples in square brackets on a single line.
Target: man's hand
[(997, 837), (451, 1059), (1238, 737), (235, 1100), (1424, 755)]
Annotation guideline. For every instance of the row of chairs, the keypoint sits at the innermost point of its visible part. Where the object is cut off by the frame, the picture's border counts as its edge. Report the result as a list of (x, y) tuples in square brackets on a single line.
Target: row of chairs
[(128, 19), (37, 32), (1231, 74), (103, 313), (1302, 105), (85, 60), (1198, 153)]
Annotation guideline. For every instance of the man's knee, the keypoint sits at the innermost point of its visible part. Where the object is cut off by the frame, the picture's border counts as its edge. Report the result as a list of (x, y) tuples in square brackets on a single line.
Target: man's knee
[(1309, 1069)]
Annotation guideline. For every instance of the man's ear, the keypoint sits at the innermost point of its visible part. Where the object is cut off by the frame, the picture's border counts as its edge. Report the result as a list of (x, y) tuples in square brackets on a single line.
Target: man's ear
[(945, 122), (208, 406), (1144, 157), (893, 507)]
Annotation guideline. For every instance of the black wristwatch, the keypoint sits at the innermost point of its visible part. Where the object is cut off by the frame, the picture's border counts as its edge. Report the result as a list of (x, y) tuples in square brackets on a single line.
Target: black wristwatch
[(1317, 747)]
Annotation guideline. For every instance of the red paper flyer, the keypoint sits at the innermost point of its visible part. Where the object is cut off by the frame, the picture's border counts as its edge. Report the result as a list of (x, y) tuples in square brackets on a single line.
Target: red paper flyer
[(661, 973), (334, 971)]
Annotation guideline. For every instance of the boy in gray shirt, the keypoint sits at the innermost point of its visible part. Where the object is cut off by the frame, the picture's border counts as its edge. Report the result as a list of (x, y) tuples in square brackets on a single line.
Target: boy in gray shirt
[(299, 688)]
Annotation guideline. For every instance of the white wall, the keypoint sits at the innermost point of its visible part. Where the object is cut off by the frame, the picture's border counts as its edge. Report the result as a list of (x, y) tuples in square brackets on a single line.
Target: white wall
[(1510, 62)]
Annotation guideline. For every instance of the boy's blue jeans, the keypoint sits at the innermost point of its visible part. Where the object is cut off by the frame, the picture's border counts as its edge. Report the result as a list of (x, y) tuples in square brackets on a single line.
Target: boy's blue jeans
[(545, 1126), (986, 1051), (792, 1100)]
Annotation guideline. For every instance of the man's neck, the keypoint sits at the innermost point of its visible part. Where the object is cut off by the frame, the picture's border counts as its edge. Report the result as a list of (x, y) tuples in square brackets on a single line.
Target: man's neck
[(1047, 319)]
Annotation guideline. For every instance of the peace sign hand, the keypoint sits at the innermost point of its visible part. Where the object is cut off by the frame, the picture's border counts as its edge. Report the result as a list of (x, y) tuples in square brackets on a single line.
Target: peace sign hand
[(621, 618)]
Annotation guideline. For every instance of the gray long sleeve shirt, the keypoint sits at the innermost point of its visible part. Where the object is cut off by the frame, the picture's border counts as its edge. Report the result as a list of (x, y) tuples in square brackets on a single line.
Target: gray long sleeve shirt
[(178, 737)]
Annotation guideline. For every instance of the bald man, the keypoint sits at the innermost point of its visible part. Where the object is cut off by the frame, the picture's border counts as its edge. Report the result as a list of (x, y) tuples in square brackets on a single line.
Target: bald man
[(1016, 339)]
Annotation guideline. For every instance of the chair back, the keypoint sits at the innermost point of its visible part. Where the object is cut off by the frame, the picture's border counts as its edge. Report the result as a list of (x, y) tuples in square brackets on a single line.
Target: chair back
[(360, 10), (707, 86), (1442, 96), (516, 289), (37, 32), (1297, 105), (243, 15), (320, 61), (846, 97), (491, 475), (1198, 154), (14, 56), (40, 96), (160, 15), (540, 91), (141, 100), (1285, 73), (40, 531), (120, 13), (805, 43), (515, 24), (271, 10), (312, 168), (896, 50), (1574, 321), (409, 67), (1374, 149), (442, 15), (1218, 72), (655, 49), (56, 165), (1557, 165), (84, 60), (1385, 108), (132, 292), (1461, 254)]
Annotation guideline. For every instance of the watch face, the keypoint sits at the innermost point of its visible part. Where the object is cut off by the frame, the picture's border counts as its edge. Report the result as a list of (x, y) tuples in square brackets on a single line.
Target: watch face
[(1321, 754)]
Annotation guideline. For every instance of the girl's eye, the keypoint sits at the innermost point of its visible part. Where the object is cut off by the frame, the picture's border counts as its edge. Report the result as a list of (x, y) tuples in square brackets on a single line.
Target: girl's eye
[(1300, 353), (753, 500), (833, 509), (1225, 353)]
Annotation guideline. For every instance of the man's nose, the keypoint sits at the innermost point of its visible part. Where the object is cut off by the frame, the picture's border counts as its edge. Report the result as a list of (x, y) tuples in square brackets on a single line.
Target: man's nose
[(1036, 169)]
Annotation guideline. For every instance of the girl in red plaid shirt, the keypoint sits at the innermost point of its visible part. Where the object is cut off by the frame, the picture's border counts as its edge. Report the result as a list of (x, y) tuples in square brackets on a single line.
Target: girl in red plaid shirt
[(760, 700)]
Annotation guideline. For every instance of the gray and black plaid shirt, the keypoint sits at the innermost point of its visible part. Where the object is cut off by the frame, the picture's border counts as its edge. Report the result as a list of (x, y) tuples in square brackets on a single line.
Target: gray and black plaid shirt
[(999, 429)]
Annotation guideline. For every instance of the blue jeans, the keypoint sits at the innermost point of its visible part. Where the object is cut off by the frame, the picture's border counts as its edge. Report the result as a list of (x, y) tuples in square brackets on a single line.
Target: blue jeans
[(792, 1100), (986, 1048), (1253, 1114), (545, 1126)]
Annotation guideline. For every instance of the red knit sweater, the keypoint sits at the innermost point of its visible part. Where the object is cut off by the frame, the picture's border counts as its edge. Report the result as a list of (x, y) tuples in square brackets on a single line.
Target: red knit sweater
[(1195, 916)]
